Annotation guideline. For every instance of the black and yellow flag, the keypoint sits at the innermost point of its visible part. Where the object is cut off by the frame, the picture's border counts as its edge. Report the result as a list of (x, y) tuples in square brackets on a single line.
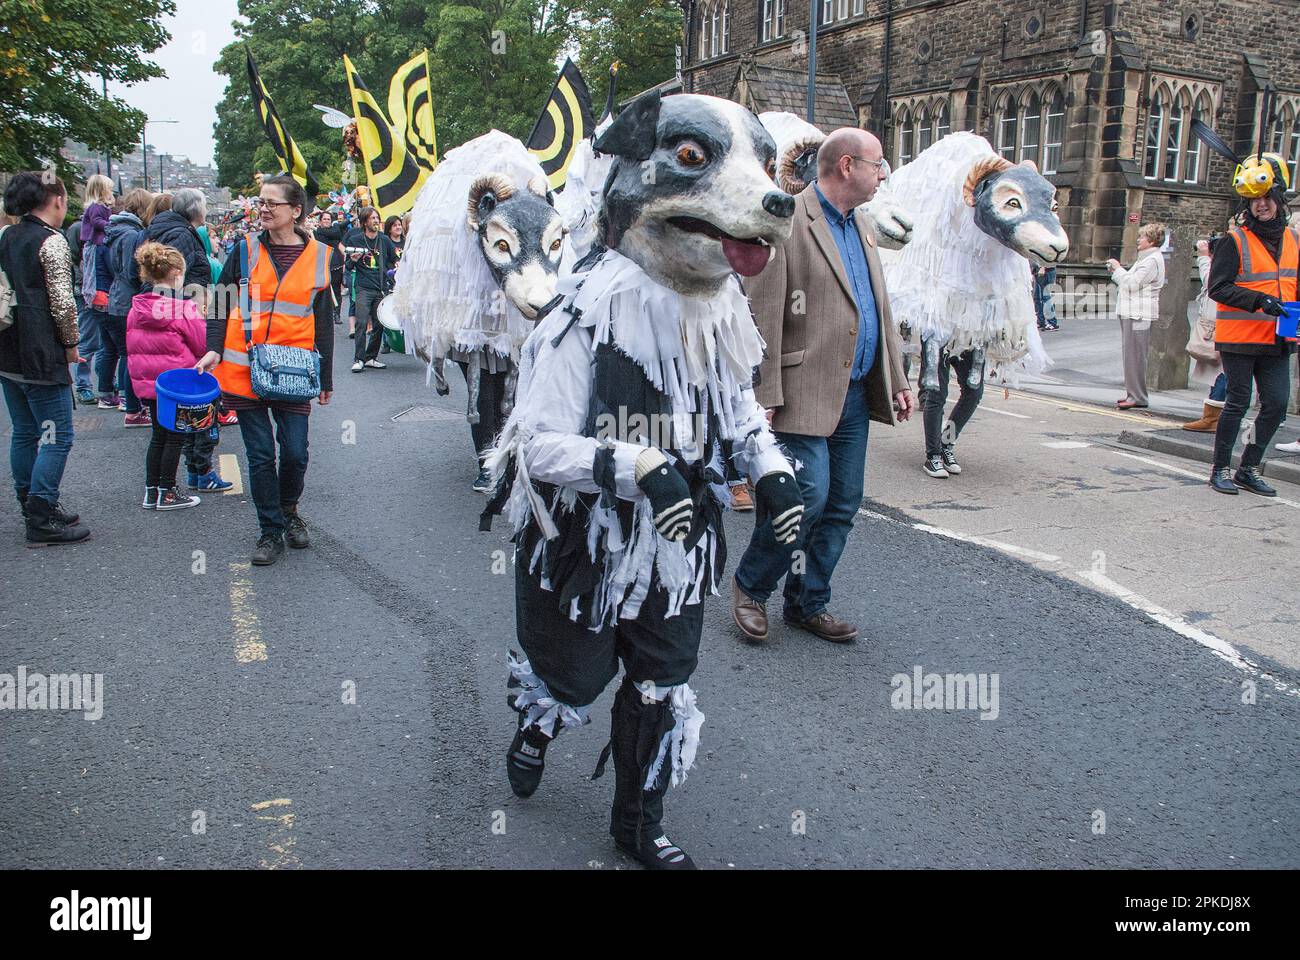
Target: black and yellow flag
[(290, 157), (410, 108), (565, 122), (392, 172)]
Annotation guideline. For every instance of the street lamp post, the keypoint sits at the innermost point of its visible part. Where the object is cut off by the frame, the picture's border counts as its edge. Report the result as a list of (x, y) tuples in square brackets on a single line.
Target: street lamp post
[(144, 151)]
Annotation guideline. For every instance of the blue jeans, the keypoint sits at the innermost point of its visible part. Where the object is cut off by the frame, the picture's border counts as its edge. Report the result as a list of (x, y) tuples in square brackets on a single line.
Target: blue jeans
[(830, 478), (112, 361), (1219, 391), (274, 489), (42, 436), (87, 343)]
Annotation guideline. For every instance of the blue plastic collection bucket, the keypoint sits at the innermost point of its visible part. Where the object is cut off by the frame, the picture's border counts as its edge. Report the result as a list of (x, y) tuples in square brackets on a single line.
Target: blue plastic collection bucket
[(187, 400), (1286, 324)]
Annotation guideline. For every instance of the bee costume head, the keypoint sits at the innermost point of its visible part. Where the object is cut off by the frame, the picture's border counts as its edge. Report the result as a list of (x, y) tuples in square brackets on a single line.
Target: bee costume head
[(1257, 175)]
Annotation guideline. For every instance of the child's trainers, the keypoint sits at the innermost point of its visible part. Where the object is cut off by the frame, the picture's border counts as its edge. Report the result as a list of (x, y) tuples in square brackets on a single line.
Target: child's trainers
[(113, 402), (171, 498), (192, 480), (209, 481), (150, 498)]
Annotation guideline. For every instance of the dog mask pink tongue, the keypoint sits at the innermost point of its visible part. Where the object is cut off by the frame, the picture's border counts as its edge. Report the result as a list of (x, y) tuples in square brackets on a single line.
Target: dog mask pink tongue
[(747, 259)]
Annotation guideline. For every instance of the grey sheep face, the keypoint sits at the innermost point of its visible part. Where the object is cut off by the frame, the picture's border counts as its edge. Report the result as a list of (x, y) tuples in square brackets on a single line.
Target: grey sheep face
[(691, 196), (520, 235), (1016, 206)]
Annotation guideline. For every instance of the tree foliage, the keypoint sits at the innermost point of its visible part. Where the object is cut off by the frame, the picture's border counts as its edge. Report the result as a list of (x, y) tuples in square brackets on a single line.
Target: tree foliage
[(52, 56), (492, 63)]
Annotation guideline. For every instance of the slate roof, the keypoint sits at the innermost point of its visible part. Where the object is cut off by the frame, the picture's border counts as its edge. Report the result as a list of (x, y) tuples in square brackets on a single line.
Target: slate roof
[(783, 88)]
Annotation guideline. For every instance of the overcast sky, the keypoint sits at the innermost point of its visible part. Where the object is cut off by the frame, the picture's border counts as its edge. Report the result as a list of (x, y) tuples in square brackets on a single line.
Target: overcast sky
[(190, 90)]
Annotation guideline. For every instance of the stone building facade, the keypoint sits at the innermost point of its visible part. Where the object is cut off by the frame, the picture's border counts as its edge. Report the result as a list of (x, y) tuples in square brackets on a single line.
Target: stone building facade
[(1100, 95)]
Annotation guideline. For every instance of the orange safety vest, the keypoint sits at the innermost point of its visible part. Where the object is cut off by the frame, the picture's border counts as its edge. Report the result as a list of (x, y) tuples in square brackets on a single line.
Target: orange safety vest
[(1259, 271), (281, 308)]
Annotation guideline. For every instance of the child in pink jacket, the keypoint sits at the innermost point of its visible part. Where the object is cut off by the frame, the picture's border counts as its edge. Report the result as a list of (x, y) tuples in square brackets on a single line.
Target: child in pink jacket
[(164, 331)]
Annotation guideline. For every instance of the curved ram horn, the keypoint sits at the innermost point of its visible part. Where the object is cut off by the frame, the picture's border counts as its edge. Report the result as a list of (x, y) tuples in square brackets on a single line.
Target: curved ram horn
[(786, 176), (497, 184), (982, 168)]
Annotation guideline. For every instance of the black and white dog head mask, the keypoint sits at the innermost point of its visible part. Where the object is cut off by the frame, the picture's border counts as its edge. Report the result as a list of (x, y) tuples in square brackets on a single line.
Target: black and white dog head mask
[(520, 235), (691, 196)]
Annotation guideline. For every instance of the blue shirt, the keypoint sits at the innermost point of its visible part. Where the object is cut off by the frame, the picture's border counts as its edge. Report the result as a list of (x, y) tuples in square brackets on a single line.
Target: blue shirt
[(845, 231)]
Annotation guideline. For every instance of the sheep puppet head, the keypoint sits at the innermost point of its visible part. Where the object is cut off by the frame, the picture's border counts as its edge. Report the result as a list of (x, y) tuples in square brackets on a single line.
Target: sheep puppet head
[(963, 282)]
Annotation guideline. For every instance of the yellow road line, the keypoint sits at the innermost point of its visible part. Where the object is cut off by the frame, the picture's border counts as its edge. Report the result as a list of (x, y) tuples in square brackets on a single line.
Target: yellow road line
[(280, 841), (249, 645), (229, 463), (1149, 421)]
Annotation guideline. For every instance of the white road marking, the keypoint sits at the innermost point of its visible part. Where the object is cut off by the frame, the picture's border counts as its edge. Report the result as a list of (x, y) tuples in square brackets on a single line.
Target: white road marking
[(1066, 444), (230, 471), (1005, 413), (1219, 647), (1203, 477)]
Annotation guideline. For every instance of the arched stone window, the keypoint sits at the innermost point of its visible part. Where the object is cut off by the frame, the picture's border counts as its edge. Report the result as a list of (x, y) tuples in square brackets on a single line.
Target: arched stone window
[(906, 137), (715, 23), (918, 122), (1007, 128), (1173, 153)]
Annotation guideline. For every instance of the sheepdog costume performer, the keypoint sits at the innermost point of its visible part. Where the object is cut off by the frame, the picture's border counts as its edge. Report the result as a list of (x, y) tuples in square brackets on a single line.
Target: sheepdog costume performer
[(609, 465), (479, 265), (962, 282)]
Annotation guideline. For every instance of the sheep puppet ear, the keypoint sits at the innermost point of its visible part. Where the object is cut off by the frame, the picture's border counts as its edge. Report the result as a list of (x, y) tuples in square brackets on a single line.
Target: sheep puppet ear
[(485, 193)]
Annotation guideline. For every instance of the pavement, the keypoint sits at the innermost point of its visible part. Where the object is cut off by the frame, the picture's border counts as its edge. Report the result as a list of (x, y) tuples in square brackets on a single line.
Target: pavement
[(346, 707)]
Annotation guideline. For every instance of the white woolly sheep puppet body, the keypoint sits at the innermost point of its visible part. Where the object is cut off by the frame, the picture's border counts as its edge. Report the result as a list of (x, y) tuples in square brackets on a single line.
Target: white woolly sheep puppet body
[(445, 295), (953, 282)]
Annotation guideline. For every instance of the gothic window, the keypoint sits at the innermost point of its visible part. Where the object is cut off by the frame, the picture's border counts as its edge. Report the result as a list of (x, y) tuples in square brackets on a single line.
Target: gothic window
[(828, 12), (1174, 154), (858, 7), (1007, 129), (924, 132), (1055, 134), (1031, 122), (941, 124), (773, 24), (906, 137)]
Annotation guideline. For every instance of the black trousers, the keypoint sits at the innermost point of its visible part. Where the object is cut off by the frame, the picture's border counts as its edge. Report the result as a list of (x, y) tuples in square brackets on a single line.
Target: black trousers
[(577, 663), (164, 453), (367, 304), (491, 400), (1272, 377), (932, 401)]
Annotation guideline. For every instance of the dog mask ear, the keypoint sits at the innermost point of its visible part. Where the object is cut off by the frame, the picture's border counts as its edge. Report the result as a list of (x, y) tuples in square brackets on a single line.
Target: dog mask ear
[(632, 135)]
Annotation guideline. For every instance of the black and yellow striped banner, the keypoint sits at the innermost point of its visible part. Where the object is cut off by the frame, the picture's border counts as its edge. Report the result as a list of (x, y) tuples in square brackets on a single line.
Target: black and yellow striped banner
[(410, 107), (565, 122), (286, 151), (392, 172)]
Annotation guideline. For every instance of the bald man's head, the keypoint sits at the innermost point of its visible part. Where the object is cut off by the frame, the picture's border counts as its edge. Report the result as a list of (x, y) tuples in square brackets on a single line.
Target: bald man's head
[(849, 168)]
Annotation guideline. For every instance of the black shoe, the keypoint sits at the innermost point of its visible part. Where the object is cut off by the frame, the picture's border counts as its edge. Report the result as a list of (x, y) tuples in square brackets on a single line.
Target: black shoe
[(658, 853), (56, 513), (950, 460), (484, 482), (1221, 480), (295, 532), (934, 467), (526, 759), (1248, 478), (43, 530), (270, 548)]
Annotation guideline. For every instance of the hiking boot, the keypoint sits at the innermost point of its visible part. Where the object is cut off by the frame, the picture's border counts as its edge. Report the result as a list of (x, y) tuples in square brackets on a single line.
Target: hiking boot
[(173, 498), (140, 418), (949, 458), (270, 548), (1248, 478), (57, 513), (1221, 480), (295, 531), (43, 530), (934, 467)]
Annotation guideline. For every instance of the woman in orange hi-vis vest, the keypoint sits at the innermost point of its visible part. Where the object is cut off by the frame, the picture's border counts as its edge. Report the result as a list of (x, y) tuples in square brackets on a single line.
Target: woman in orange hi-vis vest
[(1252, 274), (290, 303)]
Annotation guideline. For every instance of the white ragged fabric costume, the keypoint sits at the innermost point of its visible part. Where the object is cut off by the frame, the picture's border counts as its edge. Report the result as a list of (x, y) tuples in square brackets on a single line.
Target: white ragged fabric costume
[(445, 295), (953, 284)]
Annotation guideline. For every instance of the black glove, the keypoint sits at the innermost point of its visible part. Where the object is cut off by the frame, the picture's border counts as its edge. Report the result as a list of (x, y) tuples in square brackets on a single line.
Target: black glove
[(669, 496), (1270, 305), (778, 496)]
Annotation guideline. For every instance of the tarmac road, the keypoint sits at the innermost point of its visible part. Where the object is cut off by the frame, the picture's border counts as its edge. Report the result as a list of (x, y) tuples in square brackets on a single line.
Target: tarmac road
[(228, 737)]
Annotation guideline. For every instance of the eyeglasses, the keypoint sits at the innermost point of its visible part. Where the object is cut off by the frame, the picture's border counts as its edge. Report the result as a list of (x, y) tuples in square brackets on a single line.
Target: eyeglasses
[(263, 203), (875, 163)]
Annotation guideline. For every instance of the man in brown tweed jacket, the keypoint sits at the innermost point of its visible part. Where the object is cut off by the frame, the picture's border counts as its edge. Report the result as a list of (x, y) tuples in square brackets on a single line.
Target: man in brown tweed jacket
[(834, 363)]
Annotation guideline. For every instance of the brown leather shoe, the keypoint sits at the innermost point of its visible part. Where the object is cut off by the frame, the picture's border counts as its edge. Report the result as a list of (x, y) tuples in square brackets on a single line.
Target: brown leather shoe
[(742, 499), (827, 627), (748, 614)]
